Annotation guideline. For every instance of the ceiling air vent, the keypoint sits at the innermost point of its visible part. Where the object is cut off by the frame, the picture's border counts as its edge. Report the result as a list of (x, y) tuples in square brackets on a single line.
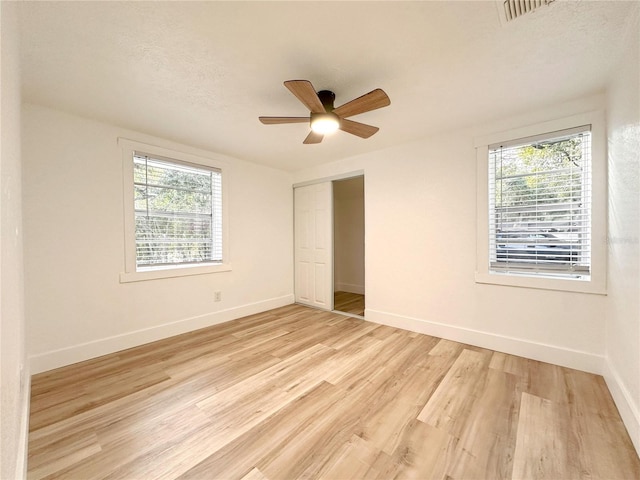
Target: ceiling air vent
[(511, 9)]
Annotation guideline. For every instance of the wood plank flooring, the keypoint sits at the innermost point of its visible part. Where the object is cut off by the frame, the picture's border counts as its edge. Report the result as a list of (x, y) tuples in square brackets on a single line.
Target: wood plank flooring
[(348, 302), (301, 393)]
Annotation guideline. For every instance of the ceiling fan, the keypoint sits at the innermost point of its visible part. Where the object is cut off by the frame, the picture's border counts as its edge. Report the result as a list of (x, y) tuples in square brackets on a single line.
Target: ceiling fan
[(324, 118)]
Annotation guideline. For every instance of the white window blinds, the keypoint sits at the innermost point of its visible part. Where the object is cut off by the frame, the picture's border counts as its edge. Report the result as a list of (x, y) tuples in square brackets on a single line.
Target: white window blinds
[(540, 205), (178, 212)]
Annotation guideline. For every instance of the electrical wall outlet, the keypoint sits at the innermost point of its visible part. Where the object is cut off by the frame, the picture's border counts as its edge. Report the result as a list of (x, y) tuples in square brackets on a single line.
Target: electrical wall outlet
[(217, 296)]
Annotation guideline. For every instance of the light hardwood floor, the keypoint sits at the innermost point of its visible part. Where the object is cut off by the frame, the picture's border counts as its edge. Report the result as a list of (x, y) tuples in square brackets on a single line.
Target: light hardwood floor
[(300, 393), (349, 303)]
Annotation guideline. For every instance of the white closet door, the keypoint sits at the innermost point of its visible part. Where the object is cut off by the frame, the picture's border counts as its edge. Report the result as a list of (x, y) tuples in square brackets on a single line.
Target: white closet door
[(313, 254)]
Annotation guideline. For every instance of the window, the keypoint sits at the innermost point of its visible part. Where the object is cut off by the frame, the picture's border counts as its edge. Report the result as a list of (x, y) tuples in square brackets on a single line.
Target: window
[(175, 213), (178, 212), (542, 206)]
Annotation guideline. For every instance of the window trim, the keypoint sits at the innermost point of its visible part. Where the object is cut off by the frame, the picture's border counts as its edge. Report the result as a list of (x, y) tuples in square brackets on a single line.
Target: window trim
[(131, 273), (597, 282)]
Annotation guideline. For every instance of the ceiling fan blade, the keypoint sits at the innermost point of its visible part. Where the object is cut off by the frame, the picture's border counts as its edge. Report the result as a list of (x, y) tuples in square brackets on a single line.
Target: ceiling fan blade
[(279, 120), (313, 137), (305, 92), (367, 102), (356, 128)]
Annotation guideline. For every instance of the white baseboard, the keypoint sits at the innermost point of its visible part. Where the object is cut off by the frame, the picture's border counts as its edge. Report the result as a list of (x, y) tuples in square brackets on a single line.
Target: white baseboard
[(85, 351), (348, 287), (565, 357), (629, 411)]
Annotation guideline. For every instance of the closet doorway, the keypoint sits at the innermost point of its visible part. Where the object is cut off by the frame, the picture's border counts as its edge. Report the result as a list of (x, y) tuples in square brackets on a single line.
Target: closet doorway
[(348, 246)]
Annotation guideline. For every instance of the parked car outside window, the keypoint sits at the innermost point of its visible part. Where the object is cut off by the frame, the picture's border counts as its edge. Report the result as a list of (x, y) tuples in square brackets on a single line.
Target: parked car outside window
[(535, 247)]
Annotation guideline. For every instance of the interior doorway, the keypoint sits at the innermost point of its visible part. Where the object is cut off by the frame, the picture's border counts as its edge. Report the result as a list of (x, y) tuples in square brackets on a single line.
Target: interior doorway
[(348, 246)]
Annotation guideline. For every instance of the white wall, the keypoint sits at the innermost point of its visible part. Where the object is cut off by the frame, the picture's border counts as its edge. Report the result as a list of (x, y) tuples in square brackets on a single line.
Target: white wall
[(420, 223), (15, 372), (348, 233), (74, 246), (623, 306)]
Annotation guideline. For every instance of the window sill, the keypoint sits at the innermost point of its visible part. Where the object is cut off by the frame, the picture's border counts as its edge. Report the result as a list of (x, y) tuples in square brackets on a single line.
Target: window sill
[(172, 272), (564, 285)]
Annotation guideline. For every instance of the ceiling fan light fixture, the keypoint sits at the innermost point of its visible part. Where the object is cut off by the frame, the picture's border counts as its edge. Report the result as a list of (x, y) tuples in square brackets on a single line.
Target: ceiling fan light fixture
[(324, 123)]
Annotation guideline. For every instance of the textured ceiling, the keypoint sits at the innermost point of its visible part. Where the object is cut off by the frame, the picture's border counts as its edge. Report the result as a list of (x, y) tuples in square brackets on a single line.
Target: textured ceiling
[(201, 73)]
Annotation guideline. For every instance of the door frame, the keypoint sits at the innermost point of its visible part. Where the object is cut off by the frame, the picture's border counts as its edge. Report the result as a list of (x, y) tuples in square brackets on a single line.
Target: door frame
[(330, 179), (342, 176)]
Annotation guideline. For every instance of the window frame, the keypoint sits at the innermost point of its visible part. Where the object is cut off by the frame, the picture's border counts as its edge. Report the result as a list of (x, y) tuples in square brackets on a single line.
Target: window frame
[(596, 284), (132, 272)]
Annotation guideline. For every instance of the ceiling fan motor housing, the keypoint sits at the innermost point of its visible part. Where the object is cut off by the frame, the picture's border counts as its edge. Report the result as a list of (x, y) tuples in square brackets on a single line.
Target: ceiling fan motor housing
[(325, 122), (327, 98)]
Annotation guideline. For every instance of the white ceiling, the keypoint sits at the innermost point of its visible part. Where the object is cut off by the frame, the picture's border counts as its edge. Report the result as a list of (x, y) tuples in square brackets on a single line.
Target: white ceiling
[(201, 73)]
